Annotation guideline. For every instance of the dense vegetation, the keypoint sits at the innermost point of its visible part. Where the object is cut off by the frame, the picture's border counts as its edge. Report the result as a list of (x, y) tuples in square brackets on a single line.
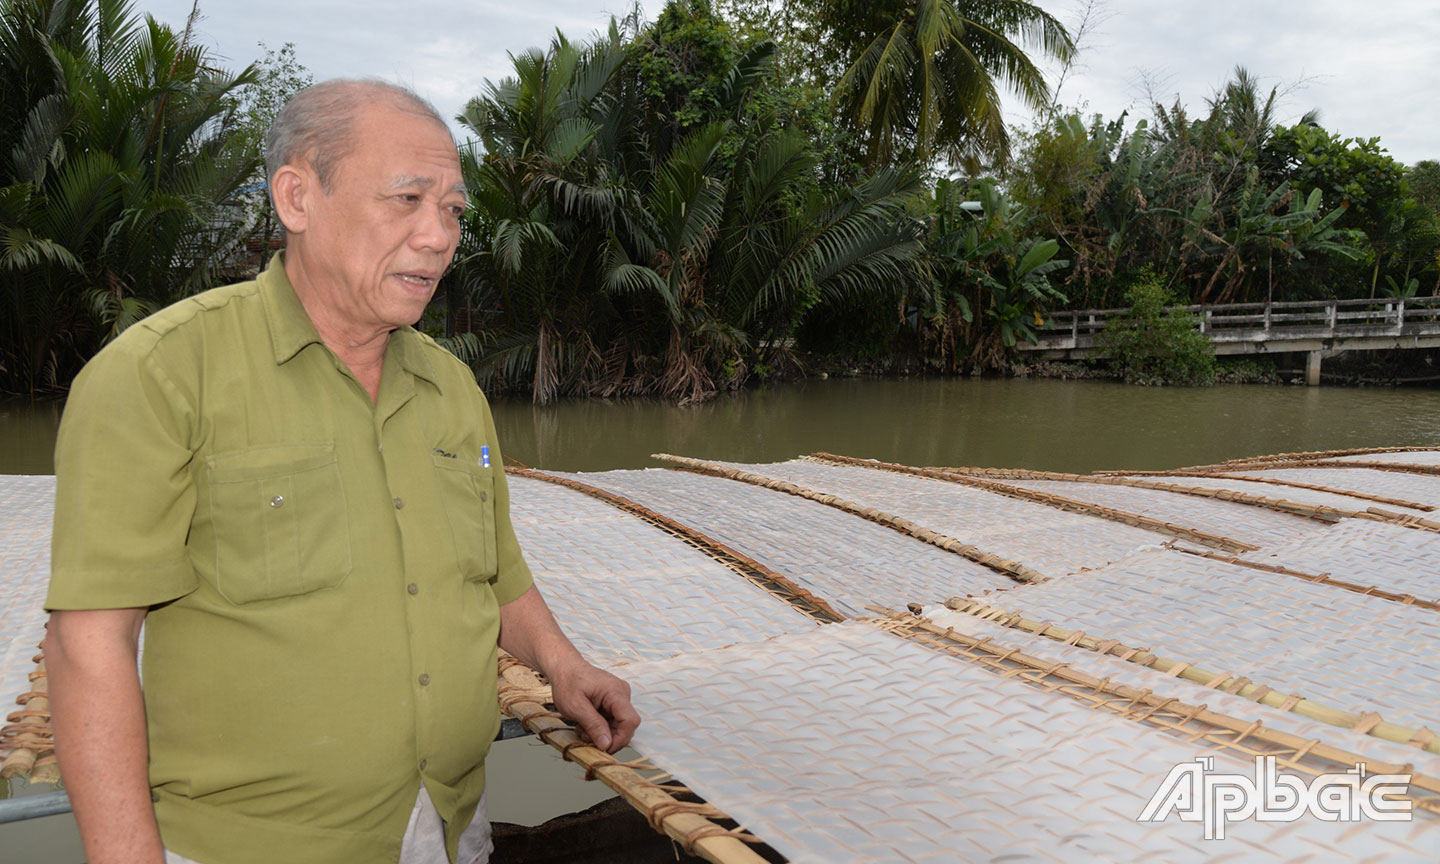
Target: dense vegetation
[(722, 194)]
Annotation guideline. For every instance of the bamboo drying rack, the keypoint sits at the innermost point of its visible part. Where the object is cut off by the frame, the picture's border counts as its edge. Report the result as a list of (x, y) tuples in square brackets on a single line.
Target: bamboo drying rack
[(1014, 569), (1317, 512), (1059, 502), (1322, 579), (772, 582), (28, 736), (986, 478), (1368, 723), (1194, 722), (525, 696)]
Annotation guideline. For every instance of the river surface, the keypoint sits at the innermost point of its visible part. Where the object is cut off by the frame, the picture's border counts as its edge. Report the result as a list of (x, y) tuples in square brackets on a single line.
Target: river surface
[(1042, 424)]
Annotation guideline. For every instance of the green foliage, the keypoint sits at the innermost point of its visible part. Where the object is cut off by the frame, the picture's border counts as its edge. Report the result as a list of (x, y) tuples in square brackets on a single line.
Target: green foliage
[(922, 76), (1236, 206), (278, 76), (682, 61), (1424, 180), (1154, 345), (118, 179), (991, 278), (617, 251)]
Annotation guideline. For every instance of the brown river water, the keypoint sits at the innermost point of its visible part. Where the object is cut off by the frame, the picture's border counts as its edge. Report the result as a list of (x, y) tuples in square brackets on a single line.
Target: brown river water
[(1043, 424)]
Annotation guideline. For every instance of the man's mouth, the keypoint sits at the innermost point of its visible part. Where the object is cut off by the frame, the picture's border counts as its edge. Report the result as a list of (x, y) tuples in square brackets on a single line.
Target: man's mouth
[(419, 280)]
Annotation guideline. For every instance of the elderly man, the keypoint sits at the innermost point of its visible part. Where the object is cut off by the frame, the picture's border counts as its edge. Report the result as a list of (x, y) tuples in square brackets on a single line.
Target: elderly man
[(304, 501)]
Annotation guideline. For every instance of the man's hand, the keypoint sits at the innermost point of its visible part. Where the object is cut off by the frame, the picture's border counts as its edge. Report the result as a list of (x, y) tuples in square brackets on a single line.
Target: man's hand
[(594, 699), (598, 702)]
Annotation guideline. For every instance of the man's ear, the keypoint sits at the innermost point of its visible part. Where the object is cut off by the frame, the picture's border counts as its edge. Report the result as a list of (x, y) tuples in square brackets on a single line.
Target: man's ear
[(291, 190)]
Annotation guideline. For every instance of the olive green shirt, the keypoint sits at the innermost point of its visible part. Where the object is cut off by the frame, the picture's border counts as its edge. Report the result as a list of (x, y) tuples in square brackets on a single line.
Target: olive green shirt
[(324, 573)]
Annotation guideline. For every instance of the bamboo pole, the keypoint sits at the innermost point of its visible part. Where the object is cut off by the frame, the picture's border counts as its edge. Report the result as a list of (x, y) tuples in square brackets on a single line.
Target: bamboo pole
[(1322, 579), (1146, 706), (28, 735), (1059, 502), (1394, 467), (1317, 512), (767, 579), (1014, 569), (1324, 454), (1301, 456), (524, 696), (1365, 723), (1294, 484)]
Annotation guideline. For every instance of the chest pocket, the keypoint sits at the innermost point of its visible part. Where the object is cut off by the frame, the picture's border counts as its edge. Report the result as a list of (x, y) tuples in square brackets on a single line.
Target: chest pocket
[(279, 522), (469, 495)]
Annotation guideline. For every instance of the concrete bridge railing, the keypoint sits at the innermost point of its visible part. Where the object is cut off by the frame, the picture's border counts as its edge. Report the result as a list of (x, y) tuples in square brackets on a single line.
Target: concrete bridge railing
[(1313, 327)]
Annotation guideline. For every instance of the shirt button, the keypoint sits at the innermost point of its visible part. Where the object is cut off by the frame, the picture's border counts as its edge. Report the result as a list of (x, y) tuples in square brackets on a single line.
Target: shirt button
[(422, 764), (424, 679), (399, 503), (413, 588), (277, 501), (484, 497)]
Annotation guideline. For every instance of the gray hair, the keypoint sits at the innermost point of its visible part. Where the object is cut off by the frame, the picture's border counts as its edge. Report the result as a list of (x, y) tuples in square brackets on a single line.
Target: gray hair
[(316, 123)]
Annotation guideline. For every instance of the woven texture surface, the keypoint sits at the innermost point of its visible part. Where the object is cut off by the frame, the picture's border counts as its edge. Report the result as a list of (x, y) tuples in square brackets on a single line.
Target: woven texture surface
[(1288, 493), (1051, 541), (1411, 457), (841, 558), (1339, 648), (849, 744), (27, 505), (1254, 525), (1420, 488), (1387, 556), (625, 590), (1125, 672)]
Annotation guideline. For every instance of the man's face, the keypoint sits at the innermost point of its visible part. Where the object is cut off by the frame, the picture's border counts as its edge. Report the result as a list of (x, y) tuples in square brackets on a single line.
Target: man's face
[(387, 229)]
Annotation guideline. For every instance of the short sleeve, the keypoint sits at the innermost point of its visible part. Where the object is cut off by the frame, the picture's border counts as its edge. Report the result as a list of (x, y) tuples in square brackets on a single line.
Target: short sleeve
[(124, 494), (514, 577)]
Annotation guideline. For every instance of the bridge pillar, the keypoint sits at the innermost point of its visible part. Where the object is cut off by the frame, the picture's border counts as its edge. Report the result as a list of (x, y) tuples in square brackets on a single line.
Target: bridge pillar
[(1312, 368)]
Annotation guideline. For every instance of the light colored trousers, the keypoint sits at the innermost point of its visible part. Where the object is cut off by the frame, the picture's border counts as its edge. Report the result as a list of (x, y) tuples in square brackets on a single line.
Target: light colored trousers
[(424, 841)]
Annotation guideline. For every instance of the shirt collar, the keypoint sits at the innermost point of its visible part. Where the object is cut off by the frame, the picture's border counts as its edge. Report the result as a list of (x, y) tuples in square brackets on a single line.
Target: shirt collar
[(412, 355), (291, 328)]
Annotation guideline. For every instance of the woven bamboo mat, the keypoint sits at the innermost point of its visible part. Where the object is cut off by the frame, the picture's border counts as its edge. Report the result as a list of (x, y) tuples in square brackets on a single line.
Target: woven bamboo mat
[(1413, 457), (1336, 499), (1419, 488), (1340, 648), (850, 744), (624, 590), (1369, 553), (841, 558), (27, 505), (1171, 686), (1254, 525), (1051, 541)]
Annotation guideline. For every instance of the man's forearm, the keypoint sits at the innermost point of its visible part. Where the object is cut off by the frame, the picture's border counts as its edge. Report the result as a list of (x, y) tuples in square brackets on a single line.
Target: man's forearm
[(529, 631), (595, 700), (98, 714)]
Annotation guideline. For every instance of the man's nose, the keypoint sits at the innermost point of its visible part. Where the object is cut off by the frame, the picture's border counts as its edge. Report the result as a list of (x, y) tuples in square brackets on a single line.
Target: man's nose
[(435, 231)]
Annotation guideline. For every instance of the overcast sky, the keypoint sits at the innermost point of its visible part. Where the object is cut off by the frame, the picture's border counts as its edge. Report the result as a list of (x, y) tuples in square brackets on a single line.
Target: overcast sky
[(1371, 68)]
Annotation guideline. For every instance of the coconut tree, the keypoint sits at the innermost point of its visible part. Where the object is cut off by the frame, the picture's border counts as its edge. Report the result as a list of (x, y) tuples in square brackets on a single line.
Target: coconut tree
[(923, 77)]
